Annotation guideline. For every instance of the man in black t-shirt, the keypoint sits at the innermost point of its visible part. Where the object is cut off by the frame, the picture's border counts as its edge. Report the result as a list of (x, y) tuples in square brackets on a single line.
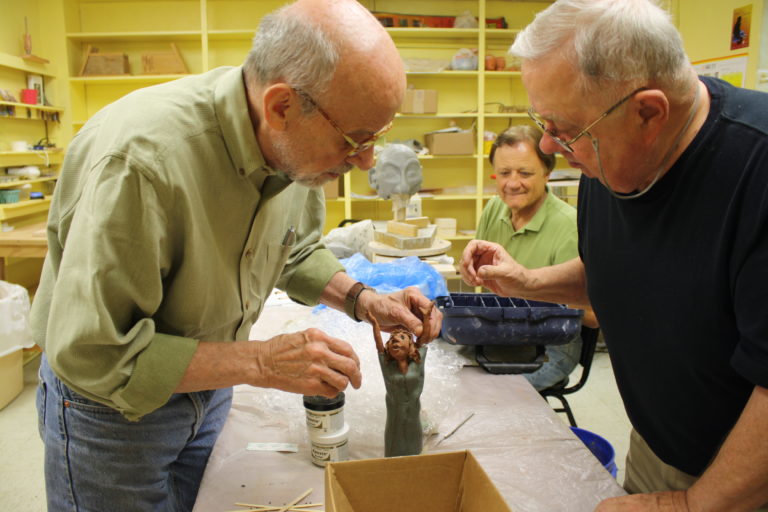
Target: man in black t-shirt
[(673, 245)]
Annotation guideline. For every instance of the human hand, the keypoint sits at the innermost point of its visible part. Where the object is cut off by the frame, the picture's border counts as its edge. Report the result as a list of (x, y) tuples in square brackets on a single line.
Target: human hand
[(670, 501), (308, 362), (405, 308), (488, 264)]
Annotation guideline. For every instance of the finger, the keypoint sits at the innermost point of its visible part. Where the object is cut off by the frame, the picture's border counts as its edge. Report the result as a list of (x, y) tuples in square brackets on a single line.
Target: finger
[(335, 345)]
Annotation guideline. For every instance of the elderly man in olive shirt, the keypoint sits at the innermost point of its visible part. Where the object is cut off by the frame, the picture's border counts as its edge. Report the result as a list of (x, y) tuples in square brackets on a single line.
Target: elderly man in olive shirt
[(179, 208)]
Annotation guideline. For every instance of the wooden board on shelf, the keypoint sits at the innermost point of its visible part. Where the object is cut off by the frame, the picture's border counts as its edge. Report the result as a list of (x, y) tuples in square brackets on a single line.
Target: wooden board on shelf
[(99, 64), (164, 63)]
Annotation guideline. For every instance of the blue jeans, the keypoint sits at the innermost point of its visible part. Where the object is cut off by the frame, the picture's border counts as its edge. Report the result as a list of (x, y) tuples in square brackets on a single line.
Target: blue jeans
[(562, 360), (96, 460)]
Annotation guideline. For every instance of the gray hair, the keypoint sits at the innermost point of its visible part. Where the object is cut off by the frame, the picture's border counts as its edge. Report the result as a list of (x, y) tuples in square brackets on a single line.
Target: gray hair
[(527, 134), (289, 48), (611, 42)]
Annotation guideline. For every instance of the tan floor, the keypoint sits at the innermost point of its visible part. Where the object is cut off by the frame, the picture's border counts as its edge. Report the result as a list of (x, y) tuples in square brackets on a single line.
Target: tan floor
[(597, 408)]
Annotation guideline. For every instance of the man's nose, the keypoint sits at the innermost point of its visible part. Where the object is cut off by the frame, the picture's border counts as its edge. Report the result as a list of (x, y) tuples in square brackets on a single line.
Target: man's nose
[(363, 160)]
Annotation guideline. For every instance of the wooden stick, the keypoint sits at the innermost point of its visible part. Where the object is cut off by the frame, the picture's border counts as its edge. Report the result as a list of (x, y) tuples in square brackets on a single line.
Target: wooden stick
[(270, 508), (262, 508), (298, 499)]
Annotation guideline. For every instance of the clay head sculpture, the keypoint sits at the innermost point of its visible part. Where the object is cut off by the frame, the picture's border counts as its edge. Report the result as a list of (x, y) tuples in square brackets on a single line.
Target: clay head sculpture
[(397, 171)]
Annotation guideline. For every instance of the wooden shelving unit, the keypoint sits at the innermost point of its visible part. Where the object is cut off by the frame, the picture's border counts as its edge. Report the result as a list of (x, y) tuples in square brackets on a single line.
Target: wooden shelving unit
[(15, 121), (212, 33)]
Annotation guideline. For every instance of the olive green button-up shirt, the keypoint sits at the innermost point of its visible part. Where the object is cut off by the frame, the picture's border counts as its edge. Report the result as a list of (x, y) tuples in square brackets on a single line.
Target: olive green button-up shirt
[(168, 228), (549, 238)]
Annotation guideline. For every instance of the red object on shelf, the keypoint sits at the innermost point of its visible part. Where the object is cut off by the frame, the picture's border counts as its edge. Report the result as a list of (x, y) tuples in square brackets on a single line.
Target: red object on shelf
[(29, 96)]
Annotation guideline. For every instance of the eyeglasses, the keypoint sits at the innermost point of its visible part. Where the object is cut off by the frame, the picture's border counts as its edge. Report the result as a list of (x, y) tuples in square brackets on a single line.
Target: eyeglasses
[(567, 145), (356, 147)]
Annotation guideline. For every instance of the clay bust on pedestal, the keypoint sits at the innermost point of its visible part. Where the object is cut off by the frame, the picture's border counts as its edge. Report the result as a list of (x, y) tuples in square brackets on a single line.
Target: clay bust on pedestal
[(402, 366), (397, 175)]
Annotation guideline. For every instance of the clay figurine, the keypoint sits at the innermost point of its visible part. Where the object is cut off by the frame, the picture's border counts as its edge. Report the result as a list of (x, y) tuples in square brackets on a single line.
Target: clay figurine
[(402, 366)]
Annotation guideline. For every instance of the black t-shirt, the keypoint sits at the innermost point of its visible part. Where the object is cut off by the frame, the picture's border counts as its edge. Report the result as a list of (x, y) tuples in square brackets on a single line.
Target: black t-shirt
[(679, 281)]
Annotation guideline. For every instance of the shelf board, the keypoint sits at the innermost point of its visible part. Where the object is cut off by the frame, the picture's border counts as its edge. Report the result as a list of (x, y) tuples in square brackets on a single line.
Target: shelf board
[(501, 33), (448, 73), (20, 183), (19, 158), (124, 79), (435, 197), (37, 108), (433, 33), (444, 157), (230, 35), (439, 115), (502, 74), (23, 208), (185, 35), (506, 115), (19, 64)]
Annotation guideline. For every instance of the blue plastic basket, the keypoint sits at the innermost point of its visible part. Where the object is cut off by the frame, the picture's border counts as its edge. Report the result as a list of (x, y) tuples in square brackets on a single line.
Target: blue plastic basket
[(600, 448), (487, 319)]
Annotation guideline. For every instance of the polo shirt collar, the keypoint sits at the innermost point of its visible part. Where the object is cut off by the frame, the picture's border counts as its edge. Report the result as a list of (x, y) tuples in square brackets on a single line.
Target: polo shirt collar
[(538, 218), (231, 105)]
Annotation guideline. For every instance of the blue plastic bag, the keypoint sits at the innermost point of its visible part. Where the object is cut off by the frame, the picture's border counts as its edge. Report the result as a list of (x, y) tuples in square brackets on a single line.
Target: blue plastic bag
[(395, 275)]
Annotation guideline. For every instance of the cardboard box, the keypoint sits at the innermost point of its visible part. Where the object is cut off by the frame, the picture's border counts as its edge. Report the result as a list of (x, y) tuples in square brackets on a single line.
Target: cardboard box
[(11, 376), (419, 101), (450, 143), (441, 482), (333, 189)]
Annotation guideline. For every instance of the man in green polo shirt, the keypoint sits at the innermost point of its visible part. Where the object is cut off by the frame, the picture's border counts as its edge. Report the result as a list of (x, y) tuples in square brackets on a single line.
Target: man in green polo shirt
[(179, 208), (536, 227)]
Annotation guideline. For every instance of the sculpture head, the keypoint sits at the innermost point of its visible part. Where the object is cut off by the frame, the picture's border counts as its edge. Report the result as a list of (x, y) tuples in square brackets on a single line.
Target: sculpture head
[(400, 344), (397, 171)]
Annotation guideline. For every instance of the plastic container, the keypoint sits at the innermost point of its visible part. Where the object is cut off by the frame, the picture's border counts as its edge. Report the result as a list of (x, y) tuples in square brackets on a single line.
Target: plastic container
[(325, 416), (330, 448), (600, 448), (487, 319), (9, 196)]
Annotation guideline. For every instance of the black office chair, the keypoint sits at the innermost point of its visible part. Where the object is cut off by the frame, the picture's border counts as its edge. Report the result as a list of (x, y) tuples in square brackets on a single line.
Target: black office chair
[(588, 343)]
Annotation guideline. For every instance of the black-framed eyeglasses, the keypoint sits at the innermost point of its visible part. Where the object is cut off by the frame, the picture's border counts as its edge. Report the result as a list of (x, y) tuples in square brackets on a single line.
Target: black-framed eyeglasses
[(567, 145), (355, 147)]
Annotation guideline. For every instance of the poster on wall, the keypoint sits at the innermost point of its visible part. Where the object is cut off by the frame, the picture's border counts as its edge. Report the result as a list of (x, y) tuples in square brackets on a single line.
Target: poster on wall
[(732, 69), (742, 18)]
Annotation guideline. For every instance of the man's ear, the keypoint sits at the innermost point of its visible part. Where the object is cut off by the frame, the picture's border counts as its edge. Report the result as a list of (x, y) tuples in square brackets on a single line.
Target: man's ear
[(280, 104), (652, 107)]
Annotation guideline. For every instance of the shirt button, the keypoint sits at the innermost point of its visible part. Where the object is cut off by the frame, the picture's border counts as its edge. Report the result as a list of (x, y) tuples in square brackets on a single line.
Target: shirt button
[(247, 305), (241, 171), (249, 254)]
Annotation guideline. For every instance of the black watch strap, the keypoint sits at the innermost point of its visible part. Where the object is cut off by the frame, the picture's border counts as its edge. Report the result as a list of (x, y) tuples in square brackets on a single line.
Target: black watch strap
[(350, 301)]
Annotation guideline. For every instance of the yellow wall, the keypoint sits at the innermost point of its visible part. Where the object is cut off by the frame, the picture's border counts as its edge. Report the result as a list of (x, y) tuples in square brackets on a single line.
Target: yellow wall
[(706, 28), (47, 32)]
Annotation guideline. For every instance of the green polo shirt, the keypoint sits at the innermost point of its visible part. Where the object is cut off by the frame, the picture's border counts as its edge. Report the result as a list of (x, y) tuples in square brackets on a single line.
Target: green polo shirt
[(549, 238), (166, 229)]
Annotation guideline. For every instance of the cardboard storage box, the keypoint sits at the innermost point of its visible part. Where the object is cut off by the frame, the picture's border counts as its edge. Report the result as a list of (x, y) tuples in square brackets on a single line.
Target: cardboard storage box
[(419, 101), (11, 376), (441, 482), (450, 143), (332, 189)]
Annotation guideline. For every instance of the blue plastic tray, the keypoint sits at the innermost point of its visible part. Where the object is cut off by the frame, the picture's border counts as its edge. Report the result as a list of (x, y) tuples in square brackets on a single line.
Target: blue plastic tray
[(487, 319)]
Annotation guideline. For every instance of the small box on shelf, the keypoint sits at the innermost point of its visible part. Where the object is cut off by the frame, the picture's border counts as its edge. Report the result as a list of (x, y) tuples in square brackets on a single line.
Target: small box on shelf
[(450, 143), (419, 101)]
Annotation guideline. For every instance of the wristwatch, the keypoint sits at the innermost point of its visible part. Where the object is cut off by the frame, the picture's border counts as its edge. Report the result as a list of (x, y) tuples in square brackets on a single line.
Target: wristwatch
[(350, 301)]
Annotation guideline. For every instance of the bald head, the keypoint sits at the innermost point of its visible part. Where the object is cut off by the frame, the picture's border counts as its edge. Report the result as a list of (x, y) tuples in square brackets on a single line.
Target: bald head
[(327, 46)]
